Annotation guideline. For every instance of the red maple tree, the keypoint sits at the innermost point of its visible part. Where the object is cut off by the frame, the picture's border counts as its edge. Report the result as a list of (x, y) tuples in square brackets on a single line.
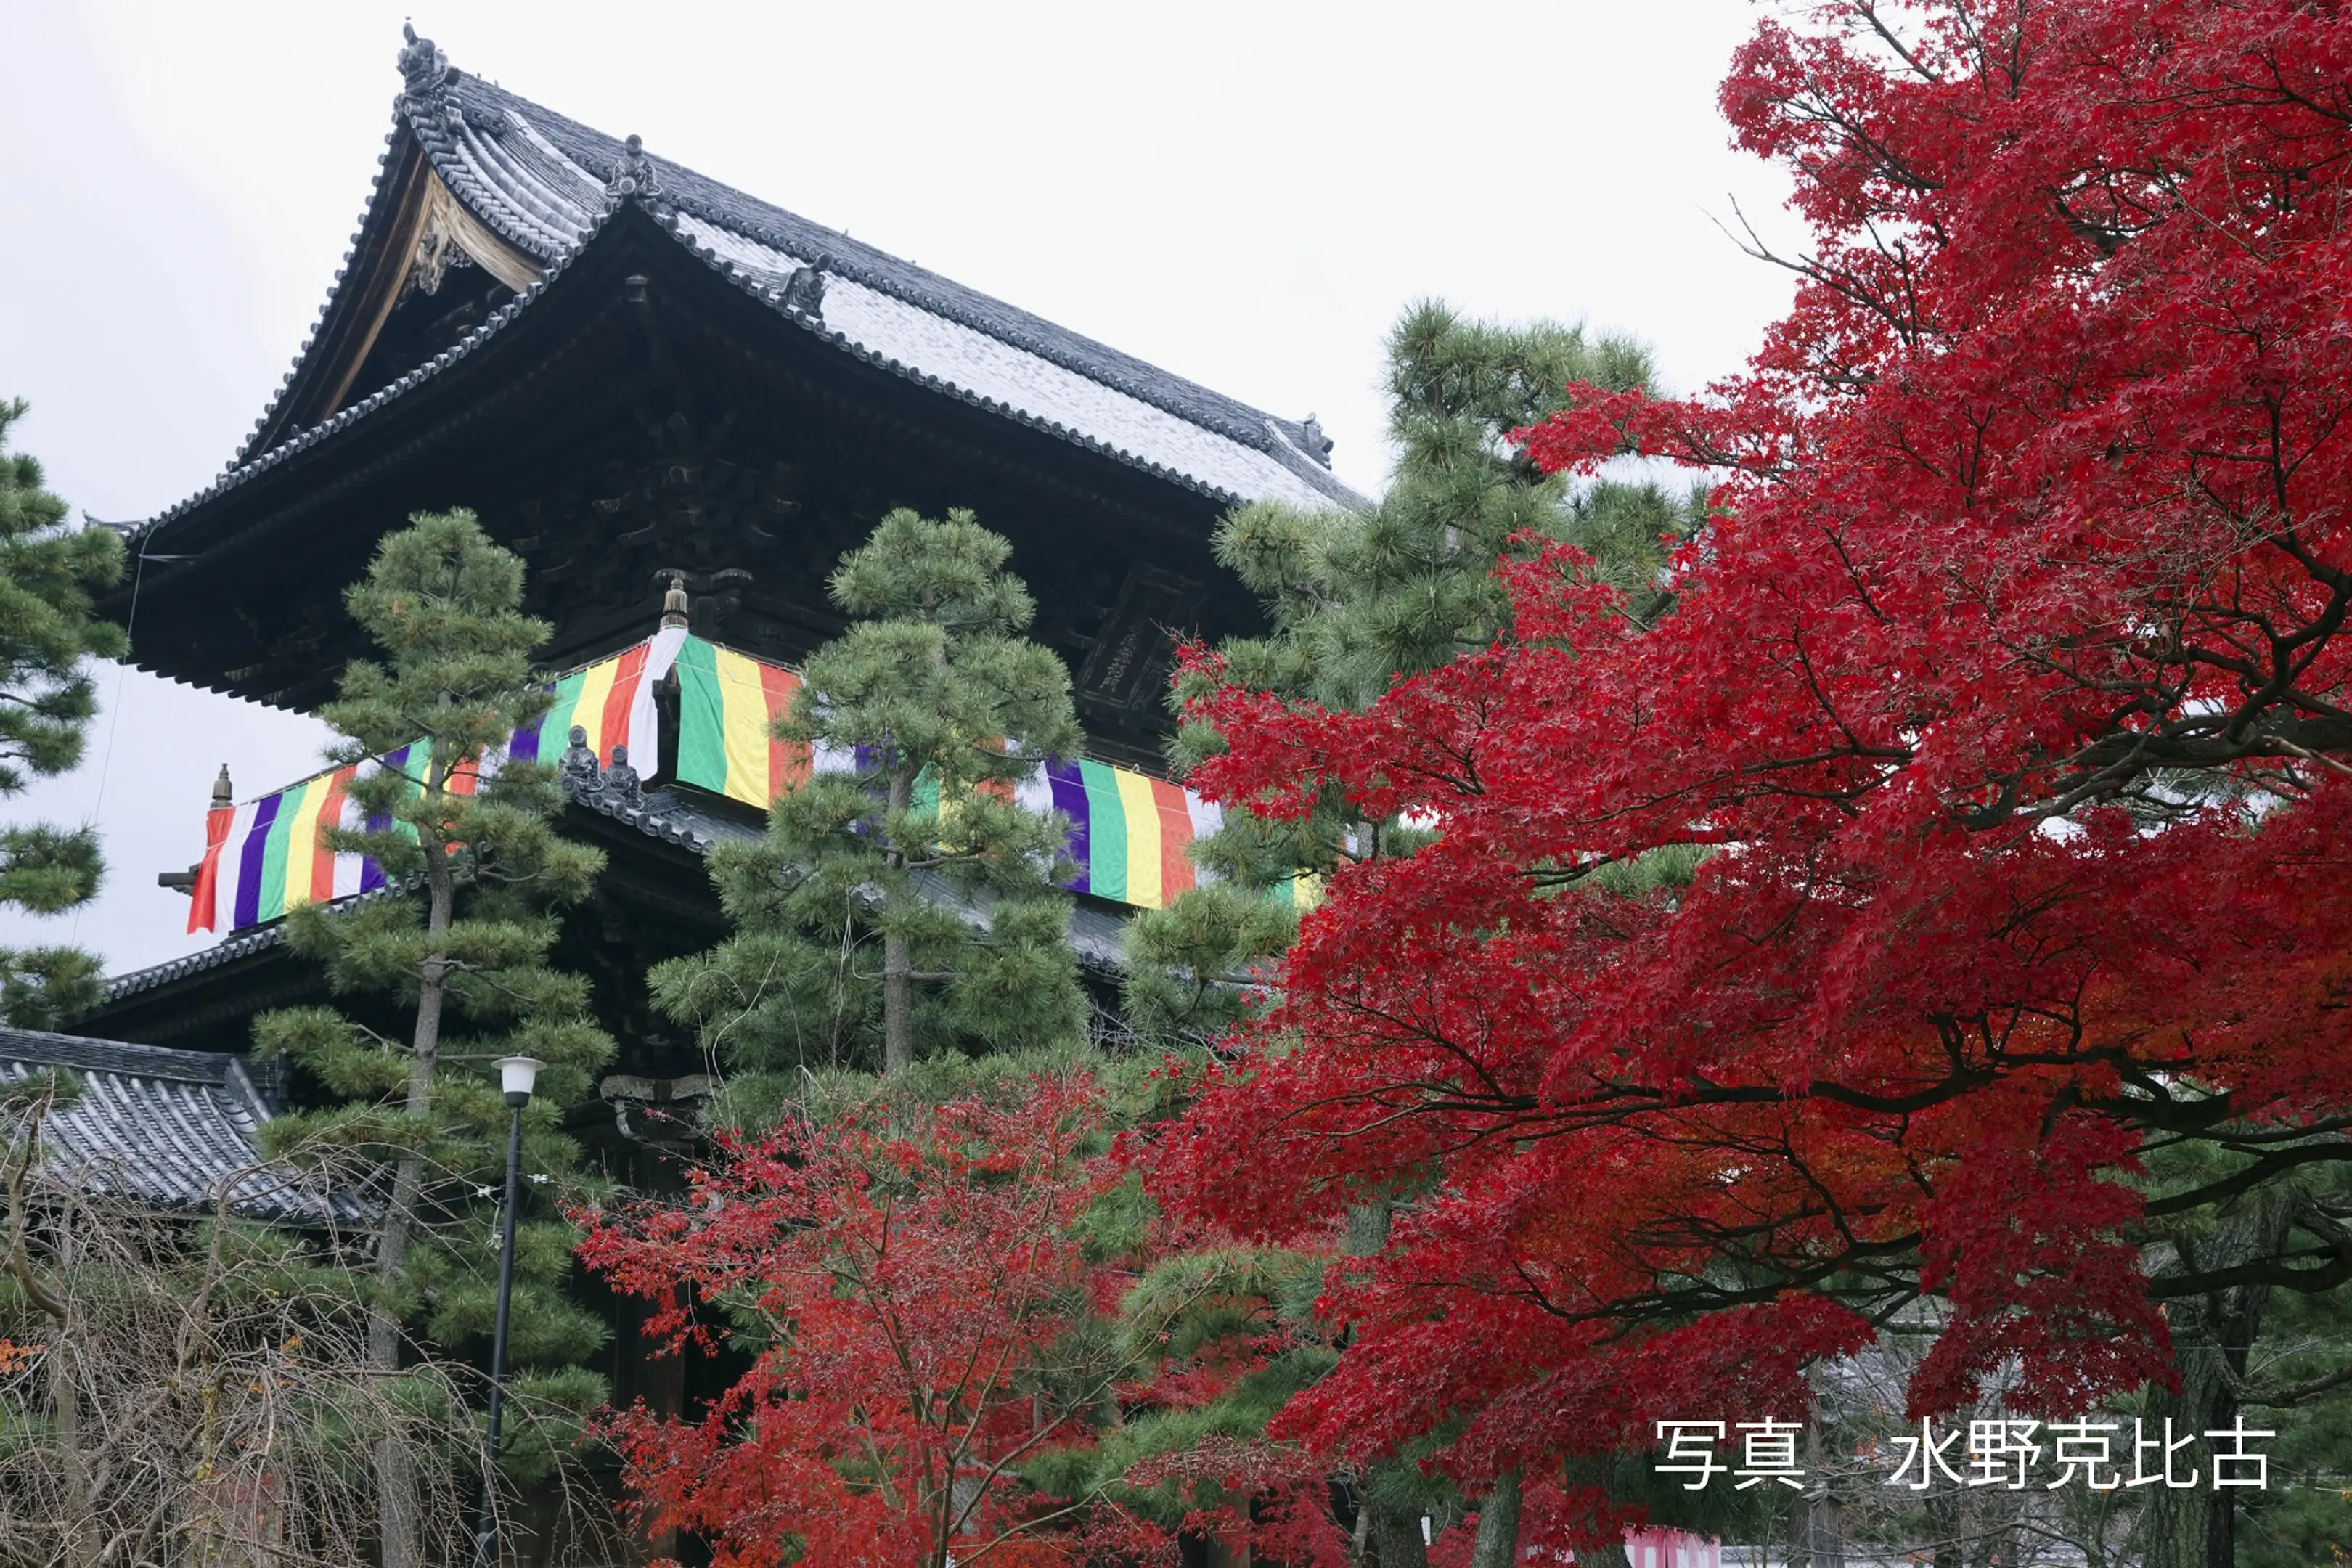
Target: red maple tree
[(2007, 701), (937, 1356), (901, 1293)]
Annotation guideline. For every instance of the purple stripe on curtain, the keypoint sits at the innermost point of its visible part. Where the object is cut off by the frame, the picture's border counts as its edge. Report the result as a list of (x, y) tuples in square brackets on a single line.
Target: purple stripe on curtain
[(1070, 799), (248, 862), (371, 874)]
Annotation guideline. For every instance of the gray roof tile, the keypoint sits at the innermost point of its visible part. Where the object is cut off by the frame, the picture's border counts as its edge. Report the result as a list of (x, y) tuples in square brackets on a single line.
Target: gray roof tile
[(167, 1127)]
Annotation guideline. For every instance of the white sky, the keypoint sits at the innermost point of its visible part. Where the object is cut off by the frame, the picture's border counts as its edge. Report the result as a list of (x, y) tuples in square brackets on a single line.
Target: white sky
[(1246, 193)]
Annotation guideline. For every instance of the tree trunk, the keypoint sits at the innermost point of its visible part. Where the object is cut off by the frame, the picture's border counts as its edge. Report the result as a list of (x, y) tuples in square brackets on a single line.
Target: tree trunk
[(1497, 1544), (65, 1399), (1824, 1514), (1825, 1530), (897, 961), (1394, 1538), (1944, 1527), (397, 1521), (1386, 1536), (2197, 1527)]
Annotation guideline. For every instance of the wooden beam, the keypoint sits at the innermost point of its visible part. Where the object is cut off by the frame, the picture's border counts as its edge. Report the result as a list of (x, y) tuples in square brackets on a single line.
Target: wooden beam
[(430, 215)]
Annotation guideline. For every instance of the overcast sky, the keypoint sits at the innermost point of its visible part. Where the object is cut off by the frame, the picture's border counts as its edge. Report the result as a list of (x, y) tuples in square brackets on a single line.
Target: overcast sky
[(1246, 193)]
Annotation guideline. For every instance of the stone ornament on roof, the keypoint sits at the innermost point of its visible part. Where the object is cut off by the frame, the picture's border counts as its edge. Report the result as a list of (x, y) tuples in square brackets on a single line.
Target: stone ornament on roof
[(576, 773), (620, 782), (632, 175), (1318, 445), (805, 289), (422, 66)]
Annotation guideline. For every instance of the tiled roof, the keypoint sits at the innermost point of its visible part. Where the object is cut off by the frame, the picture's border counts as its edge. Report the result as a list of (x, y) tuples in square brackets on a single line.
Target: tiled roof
[(213, 957), (166, 1127), (547, 184)]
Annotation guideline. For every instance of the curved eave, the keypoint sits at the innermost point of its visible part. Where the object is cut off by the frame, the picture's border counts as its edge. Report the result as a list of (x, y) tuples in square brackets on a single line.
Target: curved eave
[(511, 192), (345, 420), (548, 208), (243, 944), (336, 341), (815, 325), (1239, 424), (339, 426)]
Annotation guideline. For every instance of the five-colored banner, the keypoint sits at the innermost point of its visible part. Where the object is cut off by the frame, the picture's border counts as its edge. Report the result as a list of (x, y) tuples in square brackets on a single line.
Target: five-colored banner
[(1128, 832), (269, 855)]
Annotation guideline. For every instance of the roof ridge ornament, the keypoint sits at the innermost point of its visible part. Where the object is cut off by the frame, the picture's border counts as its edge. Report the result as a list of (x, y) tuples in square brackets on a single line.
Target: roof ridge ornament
[(805, 289), (1318, 445), (634, 174), (422, 66)]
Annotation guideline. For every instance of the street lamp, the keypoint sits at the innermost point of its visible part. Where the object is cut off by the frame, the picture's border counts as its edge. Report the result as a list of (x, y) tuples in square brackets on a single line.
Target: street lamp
[(515, 1076)]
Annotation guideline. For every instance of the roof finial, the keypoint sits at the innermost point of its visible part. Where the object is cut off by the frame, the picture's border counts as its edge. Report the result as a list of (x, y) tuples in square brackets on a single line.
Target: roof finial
[(223, 792), (634, 175), (422, 66), (674, 605)]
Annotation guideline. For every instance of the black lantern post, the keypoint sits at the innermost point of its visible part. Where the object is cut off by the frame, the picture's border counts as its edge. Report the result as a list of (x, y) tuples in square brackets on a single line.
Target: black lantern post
[(515, 1076)]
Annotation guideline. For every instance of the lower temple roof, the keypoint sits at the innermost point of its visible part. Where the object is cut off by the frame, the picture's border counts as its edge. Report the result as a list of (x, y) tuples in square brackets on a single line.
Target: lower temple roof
[(170, 1127)]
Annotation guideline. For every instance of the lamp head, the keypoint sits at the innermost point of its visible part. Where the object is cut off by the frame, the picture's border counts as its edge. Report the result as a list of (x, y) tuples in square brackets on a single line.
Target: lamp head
[(516, 1075)]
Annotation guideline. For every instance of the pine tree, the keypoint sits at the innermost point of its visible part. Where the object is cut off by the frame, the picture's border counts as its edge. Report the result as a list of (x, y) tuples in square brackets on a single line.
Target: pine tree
[(1356, 598), (48, 573), (478, 872), (937, 706), (1359, 597)]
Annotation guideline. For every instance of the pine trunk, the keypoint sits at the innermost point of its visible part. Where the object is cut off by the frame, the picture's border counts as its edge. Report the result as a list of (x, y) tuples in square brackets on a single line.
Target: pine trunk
[(1394, 1538), (1944, 1526), (2197, 1527), (1825, 1532), (65, 1399), (897, 961), (397, 1522), (1497, 1544)]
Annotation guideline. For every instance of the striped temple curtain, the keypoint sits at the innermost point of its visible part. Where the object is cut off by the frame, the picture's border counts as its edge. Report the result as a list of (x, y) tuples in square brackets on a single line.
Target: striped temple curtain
[(1128, 832)]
